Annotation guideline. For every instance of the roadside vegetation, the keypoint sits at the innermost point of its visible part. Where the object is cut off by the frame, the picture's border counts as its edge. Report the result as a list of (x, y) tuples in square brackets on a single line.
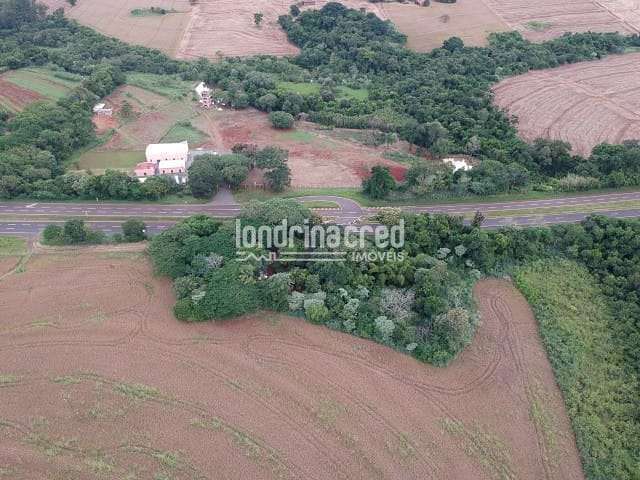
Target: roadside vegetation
[(11, 246), (76, 232), (585, 338)]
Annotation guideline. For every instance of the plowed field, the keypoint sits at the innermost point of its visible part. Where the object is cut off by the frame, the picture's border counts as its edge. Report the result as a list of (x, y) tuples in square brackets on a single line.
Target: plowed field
[(98, 380), (584, 104)]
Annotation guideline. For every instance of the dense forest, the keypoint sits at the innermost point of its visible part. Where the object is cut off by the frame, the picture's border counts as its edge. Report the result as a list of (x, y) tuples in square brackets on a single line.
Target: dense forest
[(439, 101)]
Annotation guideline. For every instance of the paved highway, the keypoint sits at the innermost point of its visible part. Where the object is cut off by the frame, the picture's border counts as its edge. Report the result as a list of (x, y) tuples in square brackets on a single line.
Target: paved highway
[(29, 215)]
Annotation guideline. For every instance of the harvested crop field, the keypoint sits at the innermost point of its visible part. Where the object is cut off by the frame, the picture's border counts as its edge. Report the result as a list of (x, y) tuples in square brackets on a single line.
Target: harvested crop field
[(317, 158), (427, 27), (15, 98), (226, 28), (114, 18), (584, 104), (98, 379), (539, 21), (19, 88)]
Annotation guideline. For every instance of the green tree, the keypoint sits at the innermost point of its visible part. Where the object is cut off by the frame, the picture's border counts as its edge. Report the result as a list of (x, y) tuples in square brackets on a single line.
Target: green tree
[(380, 183), (282, 120), (278, 178), (205, 176), (257, 18), (52, 235), (74, 231), (134, 230)]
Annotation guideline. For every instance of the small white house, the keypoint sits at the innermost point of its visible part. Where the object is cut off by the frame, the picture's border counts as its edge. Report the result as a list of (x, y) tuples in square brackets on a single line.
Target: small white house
[(204, 95), (458, 164), (101, 109)]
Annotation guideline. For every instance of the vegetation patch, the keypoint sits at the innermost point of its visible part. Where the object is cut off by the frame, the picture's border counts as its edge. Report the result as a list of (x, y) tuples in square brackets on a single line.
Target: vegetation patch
[(491, 452), (586, 342), (12, 246), (182, 131), (145, 12), (48, 83), (165, 85), (99, 162), (136, 391), (253, 448), (538, 25)]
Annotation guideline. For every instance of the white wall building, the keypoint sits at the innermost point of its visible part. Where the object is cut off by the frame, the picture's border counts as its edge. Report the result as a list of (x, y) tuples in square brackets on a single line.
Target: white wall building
[(101, 109), (157, 152)]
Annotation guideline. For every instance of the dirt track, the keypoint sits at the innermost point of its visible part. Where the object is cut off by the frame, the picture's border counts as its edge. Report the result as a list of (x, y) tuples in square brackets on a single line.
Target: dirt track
[(584, 104), (98, 378)]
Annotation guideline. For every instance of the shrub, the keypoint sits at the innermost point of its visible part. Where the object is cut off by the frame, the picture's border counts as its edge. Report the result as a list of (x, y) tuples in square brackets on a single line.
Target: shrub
[(282, 120), (52, 235), (134, 230), (183, 287), (385, 327), (316, 311), (74, 231)]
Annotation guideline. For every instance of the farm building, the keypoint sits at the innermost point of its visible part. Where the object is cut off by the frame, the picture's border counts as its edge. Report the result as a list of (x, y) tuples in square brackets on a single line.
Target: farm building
[(157, 152), (171, 159), (145, 169)]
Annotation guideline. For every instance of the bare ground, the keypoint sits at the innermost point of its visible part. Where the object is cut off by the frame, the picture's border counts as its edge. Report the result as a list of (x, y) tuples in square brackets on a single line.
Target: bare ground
[(114, 18), (317, 158), (98, 379), (219, 28), (584, 104), (543, 20), (427, 27)]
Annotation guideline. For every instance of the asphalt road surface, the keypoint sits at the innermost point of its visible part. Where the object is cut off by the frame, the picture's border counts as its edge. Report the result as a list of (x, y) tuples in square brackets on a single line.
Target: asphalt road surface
[(26, 218)]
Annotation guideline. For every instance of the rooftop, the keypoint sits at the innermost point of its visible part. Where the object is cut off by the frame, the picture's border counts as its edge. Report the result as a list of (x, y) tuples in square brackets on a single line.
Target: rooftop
[(167, 149)]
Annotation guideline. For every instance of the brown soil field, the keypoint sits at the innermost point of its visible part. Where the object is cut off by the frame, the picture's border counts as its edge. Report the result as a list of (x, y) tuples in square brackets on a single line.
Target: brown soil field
[(226, 28), (539, 21), (7, 264), (113, 18), (103, 124), (584, 104), (97, 379), (427, 27), (317, 158), (15, 98)]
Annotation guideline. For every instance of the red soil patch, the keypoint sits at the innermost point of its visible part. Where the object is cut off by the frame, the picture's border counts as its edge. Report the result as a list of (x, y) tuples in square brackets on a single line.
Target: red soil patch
[(16, 98), (104, 123), (584, 104), (98, 377), (317, 158)]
